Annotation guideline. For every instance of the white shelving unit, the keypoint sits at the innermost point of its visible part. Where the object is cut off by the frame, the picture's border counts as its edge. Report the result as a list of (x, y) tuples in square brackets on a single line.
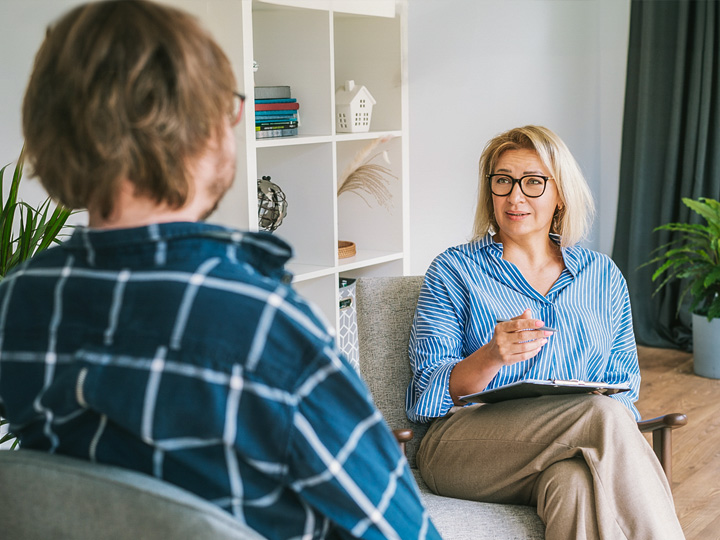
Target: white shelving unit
[(314, 46)]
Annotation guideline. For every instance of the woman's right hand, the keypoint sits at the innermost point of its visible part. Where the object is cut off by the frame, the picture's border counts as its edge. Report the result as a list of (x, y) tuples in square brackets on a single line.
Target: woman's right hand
[(513, 341), (516, 340)]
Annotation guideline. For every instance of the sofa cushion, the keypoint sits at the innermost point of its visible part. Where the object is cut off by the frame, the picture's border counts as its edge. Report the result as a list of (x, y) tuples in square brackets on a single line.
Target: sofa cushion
[(457, 519)]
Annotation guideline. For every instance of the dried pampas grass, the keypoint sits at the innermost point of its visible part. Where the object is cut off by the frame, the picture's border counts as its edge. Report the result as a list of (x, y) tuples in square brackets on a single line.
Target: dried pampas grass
[(362, 176)]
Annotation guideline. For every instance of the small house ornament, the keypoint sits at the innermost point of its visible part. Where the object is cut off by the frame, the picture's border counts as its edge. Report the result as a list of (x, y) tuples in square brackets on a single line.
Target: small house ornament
[(353, 108)]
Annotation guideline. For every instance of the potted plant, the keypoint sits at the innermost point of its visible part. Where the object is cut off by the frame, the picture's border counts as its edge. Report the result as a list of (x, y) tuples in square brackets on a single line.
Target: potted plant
[(24, 231), (694, 256)]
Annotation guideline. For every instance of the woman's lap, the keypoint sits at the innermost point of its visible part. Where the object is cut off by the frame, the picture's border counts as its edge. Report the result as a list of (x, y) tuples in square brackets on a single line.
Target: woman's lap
[(495, 452)]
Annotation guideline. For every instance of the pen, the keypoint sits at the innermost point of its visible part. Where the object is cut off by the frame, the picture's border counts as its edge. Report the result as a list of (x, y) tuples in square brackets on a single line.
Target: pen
[(546, 328)]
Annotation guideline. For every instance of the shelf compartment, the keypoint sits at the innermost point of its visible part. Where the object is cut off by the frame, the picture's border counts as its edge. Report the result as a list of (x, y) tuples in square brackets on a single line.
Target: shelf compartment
[(368, 51), (361, 219), (293, 47), (324, 294), (304, 173)]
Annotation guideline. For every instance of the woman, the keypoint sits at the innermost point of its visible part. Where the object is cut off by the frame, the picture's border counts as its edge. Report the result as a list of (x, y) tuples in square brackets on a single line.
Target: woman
[(580, 459)]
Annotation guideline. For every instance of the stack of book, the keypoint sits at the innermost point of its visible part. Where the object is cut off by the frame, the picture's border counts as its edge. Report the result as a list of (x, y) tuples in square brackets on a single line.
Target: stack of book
[(276, 113)]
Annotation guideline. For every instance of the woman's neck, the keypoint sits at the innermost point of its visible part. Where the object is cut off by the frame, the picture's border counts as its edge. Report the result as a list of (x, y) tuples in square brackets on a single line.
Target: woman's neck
[(539, 260)]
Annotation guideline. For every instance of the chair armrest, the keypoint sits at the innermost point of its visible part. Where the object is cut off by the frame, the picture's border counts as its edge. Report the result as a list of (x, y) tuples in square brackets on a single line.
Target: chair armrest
[(661, 429), (403, 436), (671, 421)]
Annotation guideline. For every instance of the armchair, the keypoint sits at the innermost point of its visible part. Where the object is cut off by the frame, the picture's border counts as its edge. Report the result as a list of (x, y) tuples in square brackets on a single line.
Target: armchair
[(50, 496), (385, 309)]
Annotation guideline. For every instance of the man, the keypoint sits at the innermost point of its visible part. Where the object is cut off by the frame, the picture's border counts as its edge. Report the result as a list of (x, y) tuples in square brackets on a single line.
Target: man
[(155, 342)]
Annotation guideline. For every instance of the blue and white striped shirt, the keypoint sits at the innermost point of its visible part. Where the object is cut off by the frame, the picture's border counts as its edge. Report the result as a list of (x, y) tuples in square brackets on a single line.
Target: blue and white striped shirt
[(180, 350), (468, 287)]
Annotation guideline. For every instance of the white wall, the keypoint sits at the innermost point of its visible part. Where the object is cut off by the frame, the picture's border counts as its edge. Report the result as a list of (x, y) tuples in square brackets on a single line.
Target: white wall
[(476, 67), (479, 67), (25, 22)]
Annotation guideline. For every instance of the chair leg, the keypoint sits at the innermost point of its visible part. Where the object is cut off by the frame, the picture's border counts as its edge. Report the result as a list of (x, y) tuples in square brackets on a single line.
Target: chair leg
[(661, 428), (662, 444)]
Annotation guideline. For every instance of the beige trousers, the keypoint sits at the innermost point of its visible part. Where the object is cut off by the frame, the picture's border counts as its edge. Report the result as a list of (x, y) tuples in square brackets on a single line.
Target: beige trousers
[(580, 459)]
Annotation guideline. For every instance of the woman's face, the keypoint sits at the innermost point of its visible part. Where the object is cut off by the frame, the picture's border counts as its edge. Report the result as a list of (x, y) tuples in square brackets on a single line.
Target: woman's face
[(517, 214)]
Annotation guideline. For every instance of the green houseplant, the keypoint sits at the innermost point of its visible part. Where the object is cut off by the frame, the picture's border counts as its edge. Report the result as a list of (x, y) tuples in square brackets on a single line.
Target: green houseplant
[(24, 231), (694, 256)]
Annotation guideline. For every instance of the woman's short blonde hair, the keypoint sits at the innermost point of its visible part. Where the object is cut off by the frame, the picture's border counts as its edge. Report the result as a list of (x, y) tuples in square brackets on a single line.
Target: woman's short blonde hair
[(124, 88), (572, 221)]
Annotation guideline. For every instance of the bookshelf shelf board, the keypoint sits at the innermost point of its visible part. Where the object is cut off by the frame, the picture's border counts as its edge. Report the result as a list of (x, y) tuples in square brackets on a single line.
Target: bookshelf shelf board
[(304, 272), (368, 257), (367, 135), (292, 141)]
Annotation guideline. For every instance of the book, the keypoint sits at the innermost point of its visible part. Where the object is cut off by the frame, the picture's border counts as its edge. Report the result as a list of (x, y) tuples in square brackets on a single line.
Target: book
[(279, 100), (271, 119), (270, 115), (276, 133), (283, 106), (276, 111), (266, 126), (542, 387), (272, 92), (275, 118)]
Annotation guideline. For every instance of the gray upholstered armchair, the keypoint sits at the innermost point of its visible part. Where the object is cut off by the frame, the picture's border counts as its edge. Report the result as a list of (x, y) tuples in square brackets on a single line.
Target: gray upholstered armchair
[(45, 496), (385, 309)]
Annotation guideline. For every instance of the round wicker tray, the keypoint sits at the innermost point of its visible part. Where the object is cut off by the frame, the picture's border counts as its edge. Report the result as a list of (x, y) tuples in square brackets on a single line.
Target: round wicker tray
[(346, 249)]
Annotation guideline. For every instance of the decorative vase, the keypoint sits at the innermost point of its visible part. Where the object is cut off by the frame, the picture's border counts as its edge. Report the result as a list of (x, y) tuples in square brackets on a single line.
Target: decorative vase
[(272, 205), (706, 346)]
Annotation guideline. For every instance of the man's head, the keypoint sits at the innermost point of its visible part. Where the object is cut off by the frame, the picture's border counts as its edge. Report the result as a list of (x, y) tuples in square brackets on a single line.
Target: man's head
[(126, 89)]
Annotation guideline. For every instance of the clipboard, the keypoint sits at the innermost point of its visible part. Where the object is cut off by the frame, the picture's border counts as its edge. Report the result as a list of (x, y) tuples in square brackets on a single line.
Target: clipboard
[(543, 387)]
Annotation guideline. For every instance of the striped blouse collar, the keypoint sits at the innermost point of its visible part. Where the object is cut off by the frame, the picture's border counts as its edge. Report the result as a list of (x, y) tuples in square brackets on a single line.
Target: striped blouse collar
[(571, 254)]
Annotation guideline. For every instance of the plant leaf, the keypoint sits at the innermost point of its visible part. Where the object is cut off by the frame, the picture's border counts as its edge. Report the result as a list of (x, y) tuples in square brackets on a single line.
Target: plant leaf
[(37, 227)]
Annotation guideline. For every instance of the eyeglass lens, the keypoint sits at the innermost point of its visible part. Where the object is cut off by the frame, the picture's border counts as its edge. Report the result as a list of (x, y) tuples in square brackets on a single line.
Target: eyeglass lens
[(531, 186)]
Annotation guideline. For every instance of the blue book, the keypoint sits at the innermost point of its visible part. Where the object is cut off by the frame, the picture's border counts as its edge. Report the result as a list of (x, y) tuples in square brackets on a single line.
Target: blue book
[(271, 119), (277, 112), (279, 100)]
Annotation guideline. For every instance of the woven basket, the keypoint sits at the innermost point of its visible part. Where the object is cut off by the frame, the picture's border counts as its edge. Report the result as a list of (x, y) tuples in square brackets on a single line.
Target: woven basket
[(346, 249)]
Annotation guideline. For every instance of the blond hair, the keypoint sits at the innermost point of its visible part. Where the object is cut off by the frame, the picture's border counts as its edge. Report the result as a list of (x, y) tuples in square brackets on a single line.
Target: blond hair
[(573, 220), (124, 88)]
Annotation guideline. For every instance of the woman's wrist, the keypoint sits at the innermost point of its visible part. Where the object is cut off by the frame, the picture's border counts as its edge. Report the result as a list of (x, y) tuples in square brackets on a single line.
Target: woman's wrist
[(473, 373)]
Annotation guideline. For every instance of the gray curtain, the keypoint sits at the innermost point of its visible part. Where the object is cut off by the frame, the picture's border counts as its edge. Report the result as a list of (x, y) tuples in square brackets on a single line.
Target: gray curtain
[(670, 148)]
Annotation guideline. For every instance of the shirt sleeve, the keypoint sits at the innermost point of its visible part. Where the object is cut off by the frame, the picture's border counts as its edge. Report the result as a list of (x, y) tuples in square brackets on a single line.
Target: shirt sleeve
[(622, 366), (436, 342), (345, 462)]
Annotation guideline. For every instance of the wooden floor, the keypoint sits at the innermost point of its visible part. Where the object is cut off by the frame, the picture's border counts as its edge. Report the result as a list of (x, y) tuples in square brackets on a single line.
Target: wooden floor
[(669, 385)]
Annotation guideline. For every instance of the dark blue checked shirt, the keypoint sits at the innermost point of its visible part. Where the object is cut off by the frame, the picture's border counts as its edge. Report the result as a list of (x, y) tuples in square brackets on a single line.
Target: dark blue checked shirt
[(180, 350), (468, 287)]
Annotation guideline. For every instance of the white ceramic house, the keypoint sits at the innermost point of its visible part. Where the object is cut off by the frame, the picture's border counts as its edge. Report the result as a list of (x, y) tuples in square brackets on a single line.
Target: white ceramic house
[(353, 108)]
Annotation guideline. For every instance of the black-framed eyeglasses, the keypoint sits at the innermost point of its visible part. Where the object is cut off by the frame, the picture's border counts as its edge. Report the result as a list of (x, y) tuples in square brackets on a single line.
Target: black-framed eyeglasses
[(532, 185), (237, 110)]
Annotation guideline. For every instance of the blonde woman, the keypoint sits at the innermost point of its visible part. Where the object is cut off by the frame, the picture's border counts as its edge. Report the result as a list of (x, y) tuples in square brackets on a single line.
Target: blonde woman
[(580, 459)]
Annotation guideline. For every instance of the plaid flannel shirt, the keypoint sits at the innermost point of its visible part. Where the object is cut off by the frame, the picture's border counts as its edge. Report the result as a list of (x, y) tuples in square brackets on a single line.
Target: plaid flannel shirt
[(180, 350)]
